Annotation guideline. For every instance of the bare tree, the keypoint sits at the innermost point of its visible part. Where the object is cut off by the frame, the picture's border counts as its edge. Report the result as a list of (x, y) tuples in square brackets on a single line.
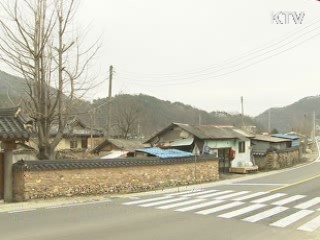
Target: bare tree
[(125, 118), (37, 40)]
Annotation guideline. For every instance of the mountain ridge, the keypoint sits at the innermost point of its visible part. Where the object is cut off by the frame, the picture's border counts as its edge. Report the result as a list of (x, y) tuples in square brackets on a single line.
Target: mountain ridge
[(155, 113)]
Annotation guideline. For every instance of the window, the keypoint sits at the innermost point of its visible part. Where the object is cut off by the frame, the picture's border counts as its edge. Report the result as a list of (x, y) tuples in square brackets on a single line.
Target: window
[(242, 147), (73, 144)]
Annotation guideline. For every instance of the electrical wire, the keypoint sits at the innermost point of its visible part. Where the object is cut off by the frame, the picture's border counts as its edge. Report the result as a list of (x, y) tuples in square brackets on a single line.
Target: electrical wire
[(287, 42), (209, 76)]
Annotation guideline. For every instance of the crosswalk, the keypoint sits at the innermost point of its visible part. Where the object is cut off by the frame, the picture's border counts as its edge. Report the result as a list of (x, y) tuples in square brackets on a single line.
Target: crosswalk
[(280, 210)]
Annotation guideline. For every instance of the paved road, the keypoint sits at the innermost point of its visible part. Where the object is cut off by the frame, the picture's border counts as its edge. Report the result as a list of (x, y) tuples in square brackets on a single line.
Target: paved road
[(284, 205)]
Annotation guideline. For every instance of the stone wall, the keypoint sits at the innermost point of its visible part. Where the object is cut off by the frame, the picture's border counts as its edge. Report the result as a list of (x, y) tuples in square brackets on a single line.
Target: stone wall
[(278, 159), (61, 178)]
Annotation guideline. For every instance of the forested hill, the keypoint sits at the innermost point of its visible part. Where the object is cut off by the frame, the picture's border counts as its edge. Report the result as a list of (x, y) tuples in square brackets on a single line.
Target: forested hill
[(132, 115), (150, 114), (296, 117)]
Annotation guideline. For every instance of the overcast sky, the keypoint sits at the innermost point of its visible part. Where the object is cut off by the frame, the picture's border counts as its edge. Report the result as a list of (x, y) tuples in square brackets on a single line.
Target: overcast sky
[(206, 53)]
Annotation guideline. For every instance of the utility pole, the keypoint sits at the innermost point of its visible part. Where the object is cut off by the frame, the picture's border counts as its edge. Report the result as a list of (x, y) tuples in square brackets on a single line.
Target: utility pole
[(314, 126), (269, 121), (242, 111), (196, 149), (242, 108), (92, 124), (109, 101)]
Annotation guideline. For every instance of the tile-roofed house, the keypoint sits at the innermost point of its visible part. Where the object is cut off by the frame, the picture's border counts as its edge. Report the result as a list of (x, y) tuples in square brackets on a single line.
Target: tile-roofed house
[(12, 125), (12, 130), (76, 128), (230, 144), (76, 135)]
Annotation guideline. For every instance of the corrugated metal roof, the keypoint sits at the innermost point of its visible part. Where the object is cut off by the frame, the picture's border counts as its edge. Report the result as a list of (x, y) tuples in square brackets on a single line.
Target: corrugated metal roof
[(12, 125), (270, 139), (290, 137), (181, 142), (115, 154), (210, 131), (126, 144), (168, 153)]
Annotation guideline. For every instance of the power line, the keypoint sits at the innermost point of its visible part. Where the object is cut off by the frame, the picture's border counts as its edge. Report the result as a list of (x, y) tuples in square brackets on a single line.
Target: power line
[(259, 49), (180, 82)]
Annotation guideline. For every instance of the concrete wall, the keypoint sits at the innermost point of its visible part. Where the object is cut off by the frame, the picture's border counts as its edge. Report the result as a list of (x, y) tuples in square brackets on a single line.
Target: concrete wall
[(278, 159), (45, 179)]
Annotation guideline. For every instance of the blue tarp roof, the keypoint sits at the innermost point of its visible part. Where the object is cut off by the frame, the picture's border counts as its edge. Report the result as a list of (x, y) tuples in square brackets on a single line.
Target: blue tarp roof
[(290, 137), (165, 153)]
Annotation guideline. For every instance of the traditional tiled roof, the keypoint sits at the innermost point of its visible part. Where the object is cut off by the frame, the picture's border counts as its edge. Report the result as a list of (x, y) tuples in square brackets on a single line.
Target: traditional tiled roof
[(53, 165), (12, 125), (76, 128)]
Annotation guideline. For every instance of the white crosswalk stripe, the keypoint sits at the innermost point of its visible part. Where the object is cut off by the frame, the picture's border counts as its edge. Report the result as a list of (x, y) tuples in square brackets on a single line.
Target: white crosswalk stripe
[(162, 202), (291, 218), (220, 208), (146, 200), (311, 226), (216, 194), (181, 204), (242, 211), (269, 198), (248, 206), (198, 206), (288, 200), (200, 193), (232, 195), (185, 192), (253, 195), (309, 203), (265, 214)]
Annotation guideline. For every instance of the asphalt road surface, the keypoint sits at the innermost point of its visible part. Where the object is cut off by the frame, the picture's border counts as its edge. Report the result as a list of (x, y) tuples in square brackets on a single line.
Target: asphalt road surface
[(284, 205)]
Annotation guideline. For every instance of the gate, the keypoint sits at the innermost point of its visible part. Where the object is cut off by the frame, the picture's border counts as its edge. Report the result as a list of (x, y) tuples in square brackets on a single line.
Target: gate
[(224, 160), (1, 175)]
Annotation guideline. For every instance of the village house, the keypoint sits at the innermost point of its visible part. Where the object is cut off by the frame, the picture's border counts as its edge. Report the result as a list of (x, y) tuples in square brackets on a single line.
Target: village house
[(13, 131), (263, 143), (115, 148), (77, 138), (231, 145), (295, 140)]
